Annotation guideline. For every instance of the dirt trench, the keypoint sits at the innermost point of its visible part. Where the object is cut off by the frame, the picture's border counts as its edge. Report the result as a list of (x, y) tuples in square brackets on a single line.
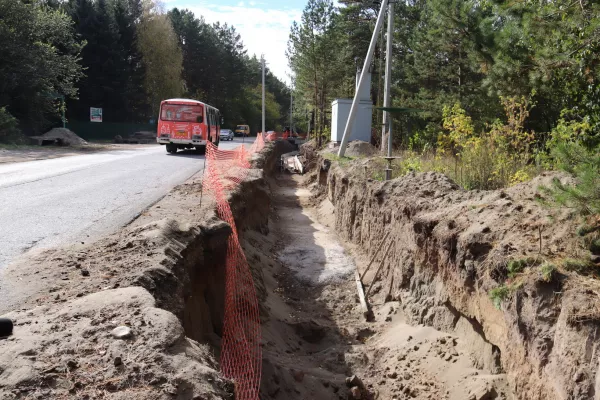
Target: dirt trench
[(160, 279), (316, 342)]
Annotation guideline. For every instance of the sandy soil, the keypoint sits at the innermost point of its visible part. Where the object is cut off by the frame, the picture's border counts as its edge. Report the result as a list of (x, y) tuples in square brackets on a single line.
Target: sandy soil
[(12, 154), (317, 343)]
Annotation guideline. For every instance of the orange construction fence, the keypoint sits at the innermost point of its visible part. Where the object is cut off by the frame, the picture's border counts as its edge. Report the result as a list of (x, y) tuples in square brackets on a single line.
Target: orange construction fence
[(241, 355)]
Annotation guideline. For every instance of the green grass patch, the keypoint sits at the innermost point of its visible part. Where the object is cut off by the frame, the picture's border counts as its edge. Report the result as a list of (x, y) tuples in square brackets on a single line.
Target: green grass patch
[(583, 267), (515, 267), (340, 160), (503, 292), (499, 294), (548, 270)]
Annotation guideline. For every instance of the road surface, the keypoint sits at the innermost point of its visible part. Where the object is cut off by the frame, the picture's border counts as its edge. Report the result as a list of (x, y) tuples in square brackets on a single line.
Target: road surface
[(54, 202)]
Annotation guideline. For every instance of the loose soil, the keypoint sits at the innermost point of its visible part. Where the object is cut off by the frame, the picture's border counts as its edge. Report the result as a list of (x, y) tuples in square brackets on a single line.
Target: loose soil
[(161, 279), (436, 334), (317, 342), (64, 137)]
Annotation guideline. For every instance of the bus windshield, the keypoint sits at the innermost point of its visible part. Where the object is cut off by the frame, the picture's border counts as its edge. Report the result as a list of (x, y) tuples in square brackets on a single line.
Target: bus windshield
[(181, 112), (241, 127)]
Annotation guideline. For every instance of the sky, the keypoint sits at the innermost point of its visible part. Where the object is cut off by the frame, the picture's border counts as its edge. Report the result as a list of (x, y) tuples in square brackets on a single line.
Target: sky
[(263, 24)]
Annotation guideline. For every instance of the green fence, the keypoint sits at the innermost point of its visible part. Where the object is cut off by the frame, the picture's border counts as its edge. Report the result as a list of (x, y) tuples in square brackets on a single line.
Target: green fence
[(103, 131)]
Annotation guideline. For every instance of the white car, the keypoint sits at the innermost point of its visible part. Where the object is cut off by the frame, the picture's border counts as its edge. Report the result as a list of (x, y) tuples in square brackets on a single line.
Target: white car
[(226, 134)]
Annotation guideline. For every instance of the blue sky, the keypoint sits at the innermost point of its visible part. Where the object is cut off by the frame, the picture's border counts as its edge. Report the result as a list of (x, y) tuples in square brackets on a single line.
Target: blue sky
[(263, 24)]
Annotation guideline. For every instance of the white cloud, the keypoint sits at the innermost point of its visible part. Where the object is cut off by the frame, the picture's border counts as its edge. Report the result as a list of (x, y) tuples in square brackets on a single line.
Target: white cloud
[(263, 31)]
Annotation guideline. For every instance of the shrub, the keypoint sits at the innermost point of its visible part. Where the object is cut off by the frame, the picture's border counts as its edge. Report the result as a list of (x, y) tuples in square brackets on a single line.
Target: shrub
[(496, 158), (9, 127)]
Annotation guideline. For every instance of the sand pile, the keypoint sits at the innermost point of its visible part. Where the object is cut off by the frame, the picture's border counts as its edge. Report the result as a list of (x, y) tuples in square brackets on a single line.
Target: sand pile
[(358, 148), (64, 136)]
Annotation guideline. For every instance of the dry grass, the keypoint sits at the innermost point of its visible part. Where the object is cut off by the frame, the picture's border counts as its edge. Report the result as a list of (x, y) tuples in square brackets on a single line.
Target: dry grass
[(586, 308)]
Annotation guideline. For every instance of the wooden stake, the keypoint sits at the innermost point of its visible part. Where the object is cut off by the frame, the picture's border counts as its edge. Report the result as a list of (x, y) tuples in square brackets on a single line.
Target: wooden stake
[(375, 255), (363, 300), (379, 269)]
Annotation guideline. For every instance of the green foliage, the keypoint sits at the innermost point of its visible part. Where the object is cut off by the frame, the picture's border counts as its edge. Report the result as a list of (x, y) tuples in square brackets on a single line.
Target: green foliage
[(115, 73), (334, 157), (583, 267), (217, 70), (124, 56), (594, 246), (317, 67), (547, 271), (9, 127), (499, 294), (161, 56), (583, 163), (39, 59), (460, 51), (498, 157), (515, 267)]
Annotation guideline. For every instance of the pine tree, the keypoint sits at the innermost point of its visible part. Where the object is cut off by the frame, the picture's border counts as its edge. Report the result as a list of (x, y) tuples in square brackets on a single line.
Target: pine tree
[(38, 61)]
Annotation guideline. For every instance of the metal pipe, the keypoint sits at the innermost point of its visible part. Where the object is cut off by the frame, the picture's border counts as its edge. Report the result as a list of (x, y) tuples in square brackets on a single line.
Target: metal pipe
[(388, 80), (390, 131), (363, 73)]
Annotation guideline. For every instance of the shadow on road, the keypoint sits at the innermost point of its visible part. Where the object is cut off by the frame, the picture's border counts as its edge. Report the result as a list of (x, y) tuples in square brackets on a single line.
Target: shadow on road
[(187, 154)]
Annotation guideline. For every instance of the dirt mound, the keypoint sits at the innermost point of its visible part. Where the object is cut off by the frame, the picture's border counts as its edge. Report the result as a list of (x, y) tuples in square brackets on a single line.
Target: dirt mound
[(358, 148), (101, 343), (64, 136)]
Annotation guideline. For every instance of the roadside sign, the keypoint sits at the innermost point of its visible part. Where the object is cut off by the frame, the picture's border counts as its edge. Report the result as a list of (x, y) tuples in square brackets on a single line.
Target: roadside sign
[(95, 114)]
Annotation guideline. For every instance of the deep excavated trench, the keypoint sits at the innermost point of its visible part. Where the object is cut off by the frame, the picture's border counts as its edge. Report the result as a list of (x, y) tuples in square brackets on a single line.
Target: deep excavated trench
[(303, 238), (314, 335)]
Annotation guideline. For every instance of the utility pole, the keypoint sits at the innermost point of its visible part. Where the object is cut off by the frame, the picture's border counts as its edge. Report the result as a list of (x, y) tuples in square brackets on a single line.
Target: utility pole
[(292, 108), (262, 62), (387, 116), (361, 81)]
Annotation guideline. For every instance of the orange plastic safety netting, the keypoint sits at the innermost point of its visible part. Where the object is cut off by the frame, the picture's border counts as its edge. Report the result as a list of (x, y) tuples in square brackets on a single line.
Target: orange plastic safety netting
[(241, 355)]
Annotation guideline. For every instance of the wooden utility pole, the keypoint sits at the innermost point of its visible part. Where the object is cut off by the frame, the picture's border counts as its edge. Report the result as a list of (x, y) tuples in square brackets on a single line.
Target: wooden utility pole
[(362, 79)]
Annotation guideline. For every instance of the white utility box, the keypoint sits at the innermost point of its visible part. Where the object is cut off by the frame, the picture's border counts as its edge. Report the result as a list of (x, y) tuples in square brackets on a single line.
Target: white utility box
[(362, 124), (340, 110)]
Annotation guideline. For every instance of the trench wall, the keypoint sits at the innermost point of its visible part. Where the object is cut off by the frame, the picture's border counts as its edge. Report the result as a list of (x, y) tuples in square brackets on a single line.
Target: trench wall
[(163, 275), (449, 248)]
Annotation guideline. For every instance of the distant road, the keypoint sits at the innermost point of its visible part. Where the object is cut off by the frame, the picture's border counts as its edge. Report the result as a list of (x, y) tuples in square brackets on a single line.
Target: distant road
[(54, 202)]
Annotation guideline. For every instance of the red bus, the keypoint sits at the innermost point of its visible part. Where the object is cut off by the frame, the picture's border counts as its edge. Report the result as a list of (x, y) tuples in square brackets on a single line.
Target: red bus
[(187, 124)]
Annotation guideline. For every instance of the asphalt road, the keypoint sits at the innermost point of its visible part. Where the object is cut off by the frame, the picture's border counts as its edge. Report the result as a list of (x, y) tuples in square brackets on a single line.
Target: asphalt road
[(54, 202)]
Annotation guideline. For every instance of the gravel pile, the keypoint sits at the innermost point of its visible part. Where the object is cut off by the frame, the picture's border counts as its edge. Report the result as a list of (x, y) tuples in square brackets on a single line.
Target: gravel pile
[(359, 148), (66, 137)]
